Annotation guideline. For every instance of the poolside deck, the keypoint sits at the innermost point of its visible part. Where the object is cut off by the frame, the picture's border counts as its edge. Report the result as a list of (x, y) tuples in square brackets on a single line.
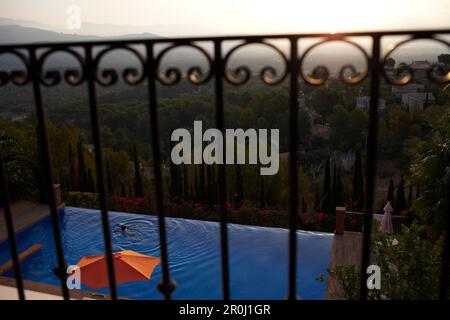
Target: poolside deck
[(346, 251), (25, 213), (43, 291)]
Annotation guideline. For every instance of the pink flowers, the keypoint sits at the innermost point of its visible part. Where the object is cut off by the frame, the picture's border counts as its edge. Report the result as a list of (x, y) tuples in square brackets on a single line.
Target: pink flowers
[(137, 204), (321, 216), (354, 222)]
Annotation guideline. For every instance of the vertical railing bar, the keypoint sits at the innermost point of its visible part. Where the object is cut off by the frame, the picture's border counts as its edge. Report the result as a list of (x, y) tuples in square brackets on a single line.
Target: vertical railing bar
[(445, 267), (293, 175), (10, 229), (47, 166), (167, 286), (371, 160), (102, 188), (220, 121)]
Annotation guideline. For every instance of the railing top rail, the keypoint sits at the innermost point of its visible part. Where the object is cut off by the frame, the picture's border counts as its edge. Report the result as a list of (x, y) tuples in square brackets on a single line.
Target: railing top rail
[(250, 38)]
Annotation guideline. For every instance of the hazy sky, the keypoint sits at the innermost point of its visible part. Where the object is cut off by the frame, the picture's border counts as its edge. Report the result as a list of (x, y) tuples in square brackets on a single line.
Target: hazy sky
[(242, 16)]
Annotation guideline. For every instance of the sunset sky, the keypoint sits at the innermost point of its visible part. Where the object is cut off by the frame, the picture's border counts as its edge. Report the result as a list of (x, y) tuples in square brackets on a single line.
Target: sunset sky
[(240, 17)]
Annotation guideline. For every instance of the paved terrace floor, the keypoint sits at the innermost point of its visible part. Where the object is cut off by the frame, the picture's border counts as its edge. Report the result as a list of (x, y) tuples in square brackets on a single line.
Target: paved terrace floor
[(25, 213), (346, 251)]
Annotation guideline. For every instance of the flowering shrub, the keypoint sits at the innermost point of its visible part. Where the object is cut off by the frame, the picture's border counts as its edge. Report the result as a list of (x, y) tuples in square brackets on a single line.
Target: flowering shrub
[(140, 204), (404, 213)]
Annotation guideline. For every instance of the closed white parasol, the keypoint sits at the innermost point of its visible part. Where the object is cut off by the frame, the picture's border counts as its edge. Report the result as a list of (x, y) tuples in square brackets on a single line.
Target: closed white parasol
[(386, 222)]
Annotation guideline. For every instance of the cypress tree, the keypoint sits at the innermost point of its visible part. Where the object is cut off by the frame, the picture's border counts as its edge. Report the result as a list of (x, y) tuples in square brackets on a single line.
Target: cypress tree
[(214, 185), (90, 182), (72, 179), (417, 191), (202, 183), (334, 190), (327, 188), (40, 173), (401, 203), (410, 196), (185, 184), (173, 180), (109, 181), (317, 204), (390, 196), (358, 183), (196, 192), (239, 188), (339, 193), (123, 191), (82, 174), (137, 176), (262, 197)]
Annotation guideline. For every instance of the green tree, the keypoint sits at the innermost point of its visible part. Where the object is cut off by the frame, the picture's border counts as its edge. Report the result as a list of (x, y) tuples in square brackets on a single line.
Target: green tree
[(90, 182), (400, 198), (138, 192), (339, 192), (317, 203), (262, 200), (239, 187), (410, 196), (82, 173), (323, 99), (390, 195), (409, 265), (358, 183), (431, 170), (326, 201)]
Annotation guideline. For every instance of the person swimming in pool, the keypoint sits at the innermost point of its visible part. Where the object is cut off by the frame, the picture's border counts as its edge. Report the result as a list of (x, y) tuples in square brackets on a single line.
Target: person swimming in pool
[(123, 228)]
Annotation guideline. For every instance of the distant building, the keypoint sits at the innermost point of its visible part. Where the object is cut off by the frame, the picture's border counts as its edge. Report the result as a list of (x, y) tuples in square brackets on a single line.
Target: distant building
[(408, 88), (420, 69), (364, 103), (417, 100)]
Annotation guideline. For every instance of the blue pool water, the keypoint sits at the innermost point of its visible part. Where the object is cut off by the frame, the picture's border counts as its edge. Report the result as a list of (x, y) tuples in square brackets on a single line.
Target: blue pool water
[(258, 255)]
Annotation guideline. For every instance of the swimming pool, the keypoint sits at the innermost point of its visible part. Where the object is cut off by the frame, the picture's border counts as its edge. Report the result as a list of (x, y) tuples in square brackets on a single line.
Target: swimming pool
[(258, 255)]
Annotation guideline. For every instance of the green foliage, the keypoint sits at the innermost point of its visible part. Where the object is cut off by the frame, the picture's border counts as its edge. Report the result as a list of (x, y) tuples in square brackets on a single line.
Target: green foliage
[(138, 191), (348, 279), (82, 199), (323, 99), (358, 183), (326, 199), (18, 161), (432, 171), (400, 203), (390, 195), (409, 264), (347, 128)]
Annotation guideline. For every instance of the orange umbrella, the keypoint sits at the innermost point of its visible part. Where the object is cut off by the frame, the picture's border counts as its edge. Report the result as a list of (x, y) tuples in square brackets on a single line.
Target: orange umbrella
[(128, 266)]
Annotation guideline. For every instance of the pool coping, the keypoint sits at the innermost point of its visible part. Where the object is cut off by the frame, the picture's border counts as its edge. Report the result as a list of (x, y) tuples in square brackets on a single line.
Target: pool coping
[(76, 294), (34, 217)]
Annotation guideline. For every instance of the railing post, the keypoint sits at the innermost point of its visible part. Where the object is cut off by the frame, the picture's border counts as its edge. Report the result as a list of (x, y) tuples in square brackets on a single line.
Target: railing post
[(371, 156), (293, 172), (222, 188), (340, 220), (57, 194)]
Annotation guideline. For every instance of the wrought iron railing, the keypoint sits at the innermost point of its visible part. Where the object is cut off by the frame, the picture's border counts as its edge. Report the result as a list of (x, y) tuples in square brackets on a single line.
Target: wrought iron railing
[(89, 55)]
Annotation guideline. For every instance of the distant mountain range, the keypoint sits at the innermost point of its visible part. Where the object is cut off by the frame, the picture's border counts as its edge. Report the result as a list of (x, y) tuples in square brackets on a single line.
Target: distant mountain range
[(95, 30), (14, 31), (16, 34)]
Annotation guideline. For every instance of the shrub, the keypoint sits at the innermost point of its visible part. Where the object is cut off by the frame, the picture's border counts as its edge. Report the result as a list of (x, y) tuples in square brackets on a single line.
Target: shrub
[(82, 199), (410, 266)]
